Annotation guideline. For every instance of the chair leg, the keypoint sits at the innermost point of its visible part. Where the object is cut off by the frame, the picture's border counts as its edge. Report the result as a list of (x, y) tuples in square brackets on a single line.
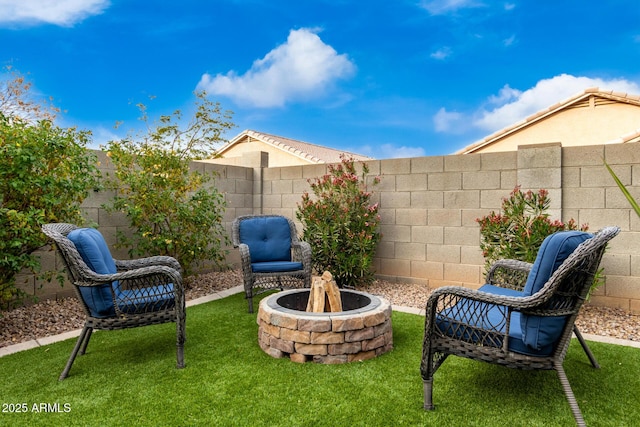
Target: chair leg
[(248, 294), (573, 403), (180, 356), (586, 348), (428, 394), (250, 302), (82, 341), (85, 342), (181, 338)]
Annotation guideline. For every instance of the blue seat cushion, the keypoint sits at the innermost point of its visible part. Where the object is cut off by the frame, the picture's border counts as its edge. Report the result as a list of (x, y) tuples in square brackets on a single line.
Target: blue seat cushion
[(268, 238), (540, 331), (95, 253), (276, 266), (497, 290), (146, 300), (516, 342), (453, 322)]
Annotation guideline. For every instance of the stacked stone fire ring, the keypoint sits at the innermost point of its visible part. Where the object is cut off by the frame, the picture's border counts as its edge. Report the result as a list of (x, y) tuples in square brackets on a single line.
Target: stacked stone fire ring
[(361, 331)]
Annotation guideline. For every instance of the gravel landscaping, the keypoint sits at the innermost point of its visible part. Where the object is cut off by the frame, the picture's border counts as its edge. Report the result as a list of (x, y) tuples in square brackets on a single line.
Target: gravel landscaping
[(49, 318)]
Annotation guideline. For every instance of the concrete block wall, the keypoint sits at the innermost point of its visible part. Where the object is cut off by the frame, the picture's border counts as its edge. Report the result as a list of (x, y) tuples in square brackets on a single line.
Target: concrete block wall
[(429, 207), (592, 197)]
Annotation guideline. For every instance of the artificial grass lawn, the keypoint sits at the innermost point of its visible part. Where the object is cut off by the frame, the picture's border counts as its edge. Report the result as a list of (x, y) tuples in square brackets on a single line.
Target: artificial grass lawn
[(129, 378)]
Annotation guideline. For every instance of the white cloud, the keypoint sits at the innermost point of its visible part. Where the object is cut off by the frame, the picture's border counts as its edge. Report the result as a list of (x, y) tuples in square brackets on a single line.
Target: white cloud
[(509, 41), (449, 122), (443, 7), (505, 95), (389, 151), (102, 135), (64, 13), (304, 67), (442, 53), (512, 105)]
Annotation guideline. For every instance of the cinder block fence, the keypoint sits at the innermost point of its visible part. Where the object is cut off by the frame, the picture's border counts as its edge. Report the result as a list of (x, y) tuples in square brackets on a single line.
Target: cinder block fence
[(429, 207)]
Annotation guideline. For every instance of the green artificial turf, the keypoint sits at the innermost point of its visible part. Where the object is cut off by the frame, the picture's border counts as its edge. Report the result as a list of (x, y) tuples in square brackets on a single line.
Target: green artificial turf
[(129, 378)]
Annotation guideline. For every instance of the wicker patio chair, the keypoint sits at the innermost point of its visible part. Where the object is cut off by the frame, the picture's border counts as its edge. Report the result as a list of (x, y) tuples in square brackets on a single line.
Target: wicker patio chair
[(271, 253), (528, 329), (118, 294)]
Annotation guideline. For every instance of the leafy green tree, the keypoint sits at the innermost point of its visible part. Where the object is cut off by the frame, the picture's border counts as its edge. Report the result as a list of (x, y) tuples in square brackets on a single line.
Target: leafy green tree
[(173, 210), (45, 174), (341, 224)]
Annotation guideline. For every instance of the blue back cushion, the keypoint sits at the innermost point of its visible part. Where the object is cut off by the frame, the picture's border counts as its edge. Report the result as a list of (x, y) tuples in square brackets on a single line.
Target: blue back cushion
[(555, 249), (95, 253), (539, 331), (268, 238)]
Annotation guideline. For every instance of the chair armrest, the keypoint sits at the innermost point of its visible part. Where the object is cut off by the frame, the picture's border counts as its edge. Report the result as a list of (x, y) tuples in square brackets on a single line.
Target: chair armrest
[(133, 264), (302, 253), (163, 275), (245, 256), (443, 297), (509, 273)]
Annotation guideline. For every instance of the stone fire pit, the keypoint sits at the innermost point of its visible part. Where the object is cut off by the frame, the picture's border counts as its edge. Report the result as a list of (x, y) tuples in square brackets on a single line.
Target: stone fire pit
[(360, 332)]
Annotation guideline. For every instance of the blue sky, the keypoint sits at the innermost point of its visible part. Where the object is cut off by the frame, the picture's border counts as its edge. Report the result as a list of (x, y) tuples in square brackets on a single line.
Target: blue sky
[(387, 79)]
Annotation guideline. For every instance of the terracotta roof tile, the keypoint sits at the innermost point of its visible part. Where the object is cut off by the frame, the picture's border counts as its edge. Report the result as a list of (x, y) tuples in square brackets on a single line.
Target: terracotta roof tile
[(311, 152), (633, 136)]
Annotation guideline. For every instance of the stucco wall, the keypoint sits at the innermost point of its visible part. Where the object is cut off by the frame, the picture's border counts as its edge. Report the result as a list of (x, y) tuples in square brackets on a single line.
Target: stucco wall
[(588, 123), (429, 206), (241, 154)]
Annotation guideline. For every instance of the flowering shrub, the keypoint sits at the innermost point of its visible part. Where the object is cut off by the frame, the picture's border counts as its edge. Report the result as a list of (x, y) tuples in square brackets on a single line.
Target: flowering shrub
[(518, 232), (341, 224)]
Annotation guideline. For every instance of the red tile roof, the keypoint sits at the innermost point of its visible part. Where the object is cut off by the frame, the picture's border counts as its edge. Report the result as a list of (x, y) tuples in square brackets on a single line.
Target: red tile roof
[(311, 152)]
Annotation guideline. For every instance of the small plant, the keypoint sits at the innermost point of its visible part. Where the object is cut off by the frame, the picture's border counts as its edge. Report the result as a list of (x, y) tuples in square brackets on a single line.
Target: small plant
[(518, 232), (341, 224), (172, 209)]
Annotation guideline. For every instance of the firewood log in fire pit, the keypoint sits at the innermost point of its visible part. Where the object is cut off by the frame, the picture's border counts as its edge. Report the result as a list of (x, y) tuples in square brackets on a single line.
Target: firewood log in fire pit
[(324, 295)]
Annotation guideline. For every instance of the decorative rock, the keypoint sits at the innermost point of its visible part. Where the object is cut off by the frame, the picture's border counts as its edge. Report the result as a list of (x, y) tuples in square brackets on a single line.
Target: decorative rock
[(298, 358), (331, 359)]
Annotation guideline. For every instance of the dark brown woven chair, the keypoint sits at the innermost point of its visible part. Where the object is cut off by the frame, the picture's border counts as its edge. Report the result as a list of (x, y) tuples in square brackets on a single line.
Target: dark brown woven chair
[(272, 255), (523, 329), (118, 294)]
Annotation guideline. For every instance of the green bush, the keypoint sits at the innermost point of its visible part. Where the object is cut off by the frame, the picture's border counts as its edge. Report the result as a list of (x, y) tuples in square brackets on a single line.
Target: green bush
[(45, 174), (341, 224), (172, 209), (518, 232)]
